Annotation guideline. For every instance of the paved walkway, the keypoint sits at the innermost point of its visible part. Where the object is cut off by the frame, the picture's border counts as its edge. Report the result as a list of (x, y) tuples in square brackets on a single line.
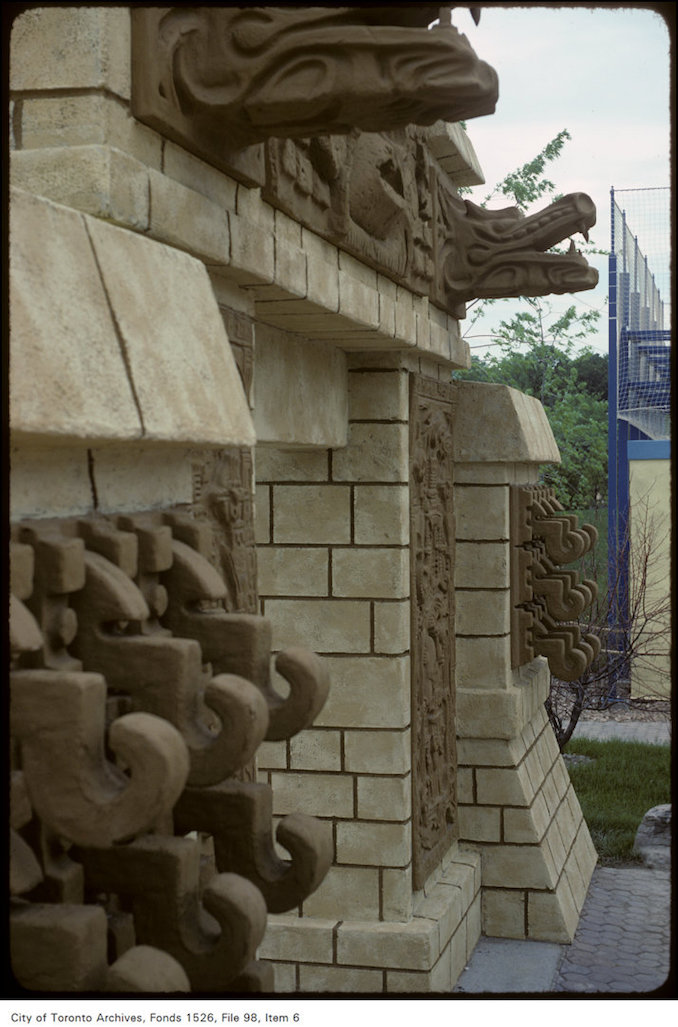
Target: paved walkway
[(622, 944)]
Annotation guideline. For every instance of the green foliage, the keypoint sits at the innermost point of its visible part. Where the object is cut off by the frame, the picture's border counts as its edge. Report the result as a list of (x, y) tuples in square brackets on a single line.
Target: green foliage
[(536, 355), (615, 791), (527, 184)]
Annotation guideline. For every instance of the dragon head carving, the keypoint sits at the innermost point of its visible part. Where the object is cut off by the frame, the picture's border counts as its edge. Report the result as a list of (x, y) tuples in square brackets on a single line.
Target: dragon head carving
[(251, 73), (502, 253)]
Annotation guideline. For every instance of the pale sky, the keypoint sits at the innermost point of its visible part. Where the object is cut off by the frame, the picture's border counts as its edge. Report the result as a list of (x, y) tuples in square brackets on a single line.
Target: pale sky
[(603, 73)]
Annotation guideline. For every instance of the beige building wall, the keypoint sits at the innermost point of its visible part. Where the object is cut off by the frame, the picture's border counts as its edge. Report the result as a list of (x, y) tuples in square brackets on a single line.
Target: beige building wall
[(650, 517), (310, 351)]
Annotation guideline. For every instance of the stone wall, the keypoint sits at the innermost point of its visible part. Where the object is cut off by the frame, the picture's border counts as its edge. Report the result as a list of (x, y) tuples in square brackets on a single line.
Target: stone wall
[(431, 764)]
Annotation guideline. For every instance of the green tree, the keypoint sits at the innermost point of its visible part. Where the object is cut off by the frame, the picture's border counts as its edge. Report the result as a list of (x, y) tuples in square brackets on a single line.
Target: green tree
[(536, 354)]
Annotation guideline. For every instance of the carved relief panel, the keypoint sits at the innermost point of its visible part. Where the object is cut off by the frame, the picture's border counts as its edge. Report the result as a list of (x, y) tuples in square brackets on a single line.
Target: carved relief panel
[(140, 860), (547, 600), (434, 759)]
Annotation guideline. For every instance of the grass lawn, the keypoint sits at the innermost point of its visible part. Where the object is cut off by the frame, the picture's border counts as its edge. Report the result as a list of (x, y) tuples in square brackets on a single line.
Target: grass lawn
[(615, 791)]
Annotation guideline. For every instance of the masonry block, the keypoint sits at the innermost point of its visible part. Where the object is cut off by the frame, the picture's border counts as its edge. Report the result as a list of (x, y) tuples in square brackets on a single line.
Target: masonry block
[(378, 396), (195, 174), (503, 913), (314, 749), (372, 844), (377, 752), (552, 916), (525, 866), (412, 946), (485, 661), (288, 939), (292, 571), (375, 453), (341, 979), (322, 625), (376, 573), (381, 515), (373, 691), (397, 896), (185, 218), (482, 565), (504, 786), (482, 512), (384, 798), (319, 794), (483, 612), (480, 824), (311, 514), (391, 627), (346, 893)]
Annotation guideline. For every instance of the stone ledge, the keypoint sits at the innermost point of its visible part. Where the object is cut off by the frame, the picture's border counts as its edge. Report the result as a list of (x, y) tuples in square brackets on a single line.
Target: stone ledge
[(497, 424)]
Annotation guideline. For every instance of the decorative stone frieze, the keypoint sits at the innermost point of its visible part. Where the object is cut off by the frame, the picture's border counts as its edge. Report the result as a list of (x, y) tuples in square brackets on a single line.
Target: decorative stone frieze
[(546, 600), (432, 637), (131, 721)]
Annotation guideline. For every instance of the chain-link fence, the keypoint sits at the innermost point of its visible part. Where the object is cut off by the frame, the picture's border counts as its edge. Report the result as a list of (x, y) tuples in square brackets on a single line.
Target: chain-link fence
[(640, 291)]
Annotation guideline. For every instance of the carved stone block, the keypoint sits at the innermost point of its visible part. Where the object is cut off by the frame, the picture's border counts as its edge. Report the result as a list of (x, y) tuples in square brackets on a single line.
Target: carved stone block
[(546, 600), (434, 762)]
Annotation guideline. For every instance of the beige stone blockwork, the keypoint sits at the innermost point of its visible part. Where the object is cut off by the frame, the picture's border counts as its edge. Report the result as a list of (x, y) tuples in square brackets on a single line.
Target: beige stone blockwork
[(76, 120), (140, 477), (482, 565), (185, 378), (404, 946), (195, 174), (478, 824), (498, 424), (397, 895), (391, 627), (377, 752), (481, 512), (465, 784), (346, 893), (311, 514), (322, 271), (49, 482), (341, 979), (375, 453), (384, 798), (482, 611), (262, 516), (321, 795), (72, 47), (373, 844), (98, 180), (298, 571), (299, 465), (371, 573), (288, 939), (58, 301), (187, 219), (378, 396), (490, 752), (316, 749), (523, 866), (381, 514), (300, 391), (284, 978), (252, 251), (527, 826), (272, 755), (373, 691), (503, 913), (322, 625), (552, 916), (484, 662)]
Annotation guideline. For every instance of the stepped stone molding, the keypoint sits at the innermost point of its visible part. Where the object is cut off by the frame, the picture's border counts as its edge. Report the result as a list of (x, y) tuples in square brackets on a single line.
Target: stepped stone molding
[(432, 637), (545, 600), (127, 749)]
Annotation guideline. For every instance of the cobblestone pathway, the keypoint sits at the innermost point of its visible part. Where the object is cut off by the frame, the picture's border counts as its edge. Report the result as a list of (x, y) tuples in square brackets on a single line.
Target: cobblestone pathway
[(622, 943)]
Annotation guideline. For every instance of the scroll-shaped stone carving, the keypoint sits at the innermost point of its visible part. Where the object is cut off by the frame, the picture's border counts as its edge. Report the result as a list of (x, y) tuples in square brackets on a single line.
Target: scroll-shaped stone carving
[(546, 600), (434, 759), (481, 254), (165, 676), (58, 717), (221, 79), (160, 877), (57, 948), (86, 780), (241, 644), (239, 816)]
